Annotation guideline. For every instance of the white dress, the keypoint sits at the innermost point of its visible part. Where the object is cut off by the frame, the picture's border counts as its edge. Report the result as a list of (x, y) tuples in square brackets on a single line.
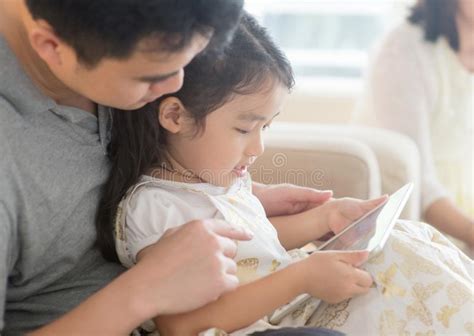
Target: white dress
[(155, 205), (421, 89), (422, 282)]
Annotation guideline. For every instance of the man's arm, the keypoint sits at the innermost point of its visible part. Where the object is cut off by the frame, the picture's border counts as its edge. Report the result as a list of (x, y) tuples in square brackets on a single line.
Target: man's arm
[(288, 199), (297, 230), (189, 267), (115, 310), (5, 257)]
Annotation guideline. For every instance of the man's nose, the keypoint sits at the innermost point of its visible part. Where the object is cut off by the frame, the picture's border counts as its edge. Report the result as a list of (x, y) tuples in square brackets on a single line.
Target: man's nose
[(169, 85)]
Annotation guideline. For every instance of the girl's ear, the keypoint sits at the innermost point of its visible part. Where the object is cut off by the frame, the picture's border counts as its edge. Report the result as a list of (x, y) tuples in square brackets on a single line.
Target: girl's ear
[(171, 114)]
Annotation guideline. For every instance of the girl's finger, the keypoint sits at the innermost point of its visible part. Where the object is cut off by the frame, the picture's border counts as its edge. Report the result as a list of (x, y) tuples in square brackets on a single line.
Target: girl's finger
[(363, 278), (354, 258), (359, 290), (377, 201)]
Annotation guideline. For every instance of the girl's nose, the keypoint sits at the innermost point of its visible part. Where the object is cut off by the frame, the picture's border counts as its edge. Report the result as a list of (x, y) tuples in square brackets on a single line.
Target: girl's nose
[(256, 147)]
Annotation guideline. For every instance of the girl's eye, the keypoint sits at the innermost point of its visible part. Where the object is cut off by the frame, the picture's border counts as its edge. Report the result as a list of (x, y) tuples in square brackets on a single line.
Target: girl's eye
[(241, 131), (265, 127)]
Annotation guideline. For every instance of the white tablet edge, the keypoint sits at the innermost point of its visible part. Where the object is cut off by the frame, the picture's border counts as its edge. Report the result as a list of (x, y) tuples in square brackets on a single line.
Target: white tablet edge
[(281, 312), (407, 190), (401, 205)]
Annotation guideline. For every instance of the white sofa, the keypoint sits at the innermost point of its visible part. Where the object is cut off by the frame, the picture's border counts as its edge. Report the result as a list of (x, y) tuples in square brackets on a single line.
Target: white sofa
[(351, 160)]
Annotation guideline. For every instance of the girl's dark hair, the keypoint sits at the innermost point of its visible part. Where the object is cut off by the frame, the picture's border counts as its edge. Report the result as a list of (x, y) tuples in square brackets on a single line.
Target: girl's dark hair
[(438, 19), (138, 141), (103, 28)]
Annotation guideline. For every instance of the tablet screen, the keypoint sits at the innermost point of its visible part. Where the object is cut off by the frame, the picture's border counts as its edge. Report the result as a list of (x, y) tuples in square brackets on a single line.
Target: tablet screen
[(371, 231)]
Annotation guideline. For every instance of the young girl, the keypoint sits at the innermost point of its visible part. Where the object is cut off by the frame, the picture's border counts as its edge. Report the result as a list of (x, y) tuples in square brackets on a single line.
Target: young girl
[(194, 149)]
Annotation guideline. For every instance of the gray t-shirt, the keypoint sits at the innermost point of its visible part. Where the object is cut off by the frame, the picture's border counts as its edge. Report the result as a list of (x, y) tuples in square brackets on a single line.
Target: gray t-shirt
[(52, 167)]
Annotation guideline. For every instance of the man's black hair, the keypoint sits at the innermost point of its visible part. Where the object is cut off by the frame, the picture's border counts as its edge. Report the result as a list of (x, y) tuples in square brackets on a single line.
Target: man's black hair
[(96, 29), (250, 63)]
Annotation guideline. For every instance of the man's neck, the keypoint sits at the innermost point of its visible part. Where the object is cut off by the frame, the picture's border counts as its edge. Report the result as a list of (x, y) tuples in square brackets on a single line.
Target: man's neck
[(466, 42), (14, 19)]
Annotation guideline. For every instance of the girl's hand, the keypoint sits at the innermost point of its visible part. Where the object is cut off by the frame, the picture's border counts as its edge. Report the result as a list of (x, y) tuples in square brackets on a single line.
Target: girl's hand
[(344, 211), (334, 276)]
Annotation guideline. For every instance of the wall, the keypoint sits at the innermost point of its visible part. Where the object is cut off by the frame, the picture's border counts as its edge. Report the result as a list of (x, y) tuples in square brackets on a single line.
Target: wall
[(323, 101)]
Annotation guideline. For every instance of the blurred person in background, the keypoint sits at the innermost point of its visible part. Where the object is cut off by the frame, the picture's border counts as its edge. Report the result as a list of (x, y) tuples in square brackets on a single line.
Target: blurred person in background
[(421, 83)]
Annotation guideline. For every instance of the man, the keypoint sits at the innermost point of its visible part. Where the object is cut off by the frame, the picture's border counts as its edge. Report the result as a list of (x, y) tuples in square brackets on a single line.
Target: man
[(62, 64)]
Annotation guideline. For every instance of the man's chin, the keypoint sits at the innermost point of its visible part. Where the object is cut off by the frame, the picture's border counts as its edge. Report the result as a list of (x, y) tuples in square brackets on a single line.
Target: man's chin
[(131, 107)]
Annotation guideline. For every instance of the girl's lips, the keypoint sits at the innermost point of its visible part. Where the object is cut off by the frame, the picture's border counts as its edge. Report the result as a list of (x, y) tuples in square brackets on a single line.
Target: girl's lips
[(240, 171)]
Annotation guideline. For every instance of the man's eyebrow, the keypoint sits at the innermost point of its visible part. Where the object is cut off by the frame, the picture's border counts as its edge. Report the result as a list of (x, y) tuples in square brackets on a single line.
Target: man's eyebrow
[(249, 116), (157, 78)]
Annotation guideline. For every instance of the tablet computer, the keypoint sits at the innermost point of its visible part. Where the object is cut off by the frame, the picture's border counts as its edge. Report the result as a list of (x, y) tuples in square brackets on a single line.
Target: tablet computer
[(371, 231)]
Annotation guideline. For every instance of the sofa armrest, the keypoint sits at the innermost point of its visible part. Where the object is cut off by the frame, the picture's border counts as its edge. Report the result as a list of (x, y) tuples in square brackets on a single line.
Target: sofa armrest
[(396, 155), (346, 166), (399, 163)]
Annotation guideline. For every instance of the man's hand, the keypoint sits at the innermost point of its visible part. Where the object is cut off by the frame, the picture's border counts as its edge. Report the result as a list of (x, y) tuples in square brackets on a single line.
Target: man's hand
[(189, 266), (288, 199)]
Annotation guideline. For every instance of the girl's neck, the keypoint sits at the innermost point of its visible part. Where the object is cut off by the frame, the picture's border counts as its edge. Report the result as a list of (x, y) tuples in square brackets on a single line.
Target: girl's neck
[(171, 170)]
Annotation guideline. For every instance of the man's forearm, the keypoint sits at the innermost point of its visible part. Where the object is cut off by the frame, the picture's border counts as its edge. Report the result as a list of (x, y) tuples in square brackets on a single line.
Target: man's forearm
[(239, 308), (114, 310), (257, 189)]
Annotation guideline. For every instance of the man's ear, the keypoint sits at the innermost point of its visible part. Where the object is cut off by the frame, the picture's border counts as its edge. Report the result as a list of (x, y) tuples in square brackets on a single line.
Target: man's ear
[(46, 43), (171, 114)]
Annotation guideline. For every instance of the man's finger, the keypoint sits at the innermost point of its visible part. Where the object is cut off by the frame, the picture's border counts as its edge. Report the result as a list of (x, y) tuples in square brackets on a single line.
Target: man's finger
[(228, 246), (230, 266), (230, 282), (310, 195), (225, 229)]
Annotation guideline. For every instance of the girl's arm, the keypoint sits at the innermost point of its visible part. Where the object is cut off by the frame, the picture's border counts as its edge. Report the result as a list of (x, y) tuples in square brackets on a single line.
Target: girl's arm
[(331, 276), (447, 217), (333, 216), (297, 230), (239, 308)]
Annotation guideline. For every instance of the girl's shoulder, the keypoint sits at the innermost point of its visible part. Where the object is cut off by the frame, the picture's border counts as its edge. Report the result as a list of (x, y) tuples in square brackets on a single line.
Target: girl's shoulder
[(155, 205), (165, 193), (159, 195)]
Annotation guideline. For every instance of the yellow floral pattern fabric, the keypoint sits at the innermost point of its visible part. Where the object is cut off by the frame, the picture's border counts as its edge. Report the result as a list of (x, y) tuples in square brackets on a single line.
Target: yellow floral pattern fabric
[(423, 286)]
